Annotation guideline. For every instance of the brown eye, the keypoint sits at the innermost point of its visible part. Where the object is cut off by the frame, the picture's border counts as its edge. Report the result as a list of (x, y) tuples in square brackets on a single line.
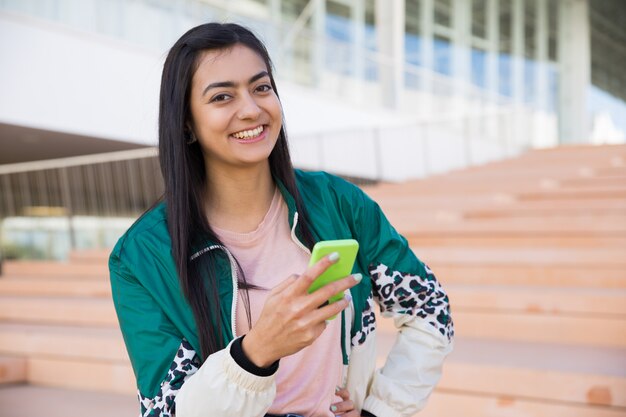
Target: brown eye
[(220, 97), (264, 88)]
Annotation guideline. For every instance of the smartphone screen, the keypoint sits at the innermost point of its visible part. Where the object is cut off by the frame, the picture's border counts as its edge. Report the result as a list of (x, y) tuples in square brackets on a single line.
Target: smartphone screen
[(347, 249)]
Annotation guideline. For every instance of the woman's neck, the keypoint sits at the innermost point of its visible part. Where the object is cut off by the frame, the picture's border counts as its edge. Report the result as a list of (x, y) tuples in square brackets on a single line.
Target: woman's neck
[(239, 200)]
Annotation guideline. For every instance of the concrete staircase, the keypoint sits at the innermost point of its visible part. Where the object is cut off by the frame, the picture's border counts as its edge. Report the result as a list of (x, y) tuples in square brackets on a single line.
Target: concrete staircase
[(532, 252), (58, 318)]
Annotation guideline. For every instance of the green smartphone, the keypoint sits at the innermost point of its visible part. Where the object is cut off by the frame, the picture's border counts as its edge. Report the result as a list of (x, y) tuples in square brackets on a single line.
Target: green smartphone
[(347, 249)]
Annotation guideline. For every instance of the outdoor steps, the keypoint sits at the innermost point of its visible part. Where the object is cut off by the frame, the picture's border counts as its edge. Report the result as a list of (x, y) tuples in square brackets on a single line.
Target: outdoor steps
[(515, 240), (541, 314), (591, 302), (90, 256), (59, 287), (503, 202), (58, 310), (579, 257), (12, 370), (100, 344), (544, 320), (55, 269), (88, 358), (89, 375), (526, 379), (548, 184)]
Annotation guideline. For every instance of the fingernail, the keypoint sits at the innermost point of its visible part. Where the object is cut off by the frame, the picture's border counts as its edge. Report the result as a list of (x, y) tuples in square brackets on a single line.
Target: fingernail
[(337, 389), (358, 277), (333, 408), (348, 297), (333, 257)]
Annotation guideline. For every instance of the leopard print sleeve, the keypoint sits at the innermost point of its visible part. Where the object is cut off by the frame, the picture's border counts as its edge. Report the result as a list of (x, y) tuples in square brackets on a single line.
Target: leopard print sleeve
[(405, 293), (185, 364)]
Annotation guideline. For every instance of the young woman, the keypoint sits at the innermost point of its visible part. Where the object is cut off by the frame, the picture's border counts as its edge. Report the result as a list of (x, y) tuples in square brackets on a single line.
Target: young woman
[(210, 285)]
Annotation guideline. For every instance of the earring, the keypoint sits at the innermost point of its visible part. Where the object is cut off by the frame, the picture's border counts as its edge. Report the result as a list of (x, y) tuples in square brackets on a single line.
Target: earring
[(190, 137)]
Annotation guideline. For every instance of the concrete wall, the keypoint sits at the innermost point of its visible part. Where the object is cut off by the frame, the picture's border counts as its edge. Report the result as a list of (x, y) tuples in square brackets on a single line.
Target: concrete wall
[(64, 80)]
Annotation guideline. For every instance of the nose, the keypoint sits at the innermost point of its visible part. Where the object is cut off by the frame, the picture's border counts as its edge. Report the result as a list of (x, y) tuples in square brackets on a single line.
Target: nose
[(249, 108)]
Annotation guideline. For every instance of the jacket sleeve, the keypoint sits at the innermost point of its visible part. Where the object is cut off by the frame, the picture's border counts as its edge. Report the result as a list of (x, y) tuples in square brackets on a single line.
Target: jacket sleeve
[(170, 377), (407, 292)]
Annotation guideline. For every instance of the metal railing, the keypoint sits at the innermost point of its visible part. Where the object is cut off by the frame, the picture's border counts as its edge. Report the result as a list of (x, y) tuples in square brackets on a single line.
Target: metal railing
[(113, 184)]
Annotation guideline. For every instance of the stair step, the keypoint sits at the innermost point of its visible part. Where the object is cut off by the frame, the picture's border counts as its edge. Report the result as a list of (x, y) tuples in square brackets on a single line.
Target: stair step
[(571, 329), (521, 257), (446, 403), (59, 402), (62, 310), (598, 301), (113, 377), (541, 328), (609, 225), (450, 239), (55, 269), (12, 370), (90, 255), (54, 287), (533, 275), (547, 212), (406, 200), (97, 343), (606, 192)]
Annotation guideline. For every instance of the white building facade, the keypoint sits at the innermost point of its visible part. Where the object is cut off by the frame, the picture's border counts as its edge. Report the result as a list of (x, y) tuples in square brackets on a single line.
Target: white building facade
[(371, 89)]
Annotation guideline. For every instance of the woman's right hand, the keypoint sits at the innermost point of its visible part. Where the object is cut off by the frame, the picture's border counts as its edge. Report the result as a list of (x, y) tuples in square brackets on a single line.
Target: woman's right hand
[(292, 318)]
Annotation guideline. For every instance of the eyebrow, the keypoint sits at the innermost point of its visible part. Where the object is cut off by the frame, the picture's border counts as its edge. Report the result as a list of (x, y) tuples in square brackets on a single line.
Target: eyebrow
[(229, 84)]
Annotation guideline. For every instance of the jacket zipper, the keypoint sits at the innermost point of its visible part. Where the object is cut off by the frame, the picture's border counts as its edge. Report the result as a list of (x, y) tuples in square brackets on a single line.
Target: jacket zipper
[(235, 278), (293, 234)]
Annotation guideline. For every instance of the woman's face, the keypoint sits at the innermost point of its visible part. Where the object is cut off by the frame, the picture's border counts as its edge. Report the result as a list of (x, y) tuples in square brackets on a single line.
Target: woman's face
[(235, 112)]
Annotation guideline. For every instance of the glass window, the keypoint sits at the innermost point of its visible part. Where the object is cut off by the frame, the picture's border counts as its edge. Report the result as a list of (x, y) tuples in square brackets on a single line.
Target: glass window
[(552, 29), (412, 17), (505, 48), (443, 13), (443, 55), (479, 18), (479, 70), (530, 29)]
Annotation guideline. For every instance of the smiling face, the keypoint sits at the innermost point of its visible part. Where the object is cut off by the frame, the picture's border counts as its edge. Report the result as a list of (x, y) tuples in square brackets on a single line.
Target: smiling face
[(235, 113)]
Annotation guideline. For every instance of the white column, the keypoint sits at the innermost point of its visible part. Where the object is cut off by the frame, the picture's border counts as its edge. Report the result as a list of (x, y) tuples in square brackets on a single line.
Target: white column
[(493, 37), (518, 51), (390, 37), (461, 20), (319, 41), (427, 29), (541, 55), (274, 8), (461, 57), (574, 55), (427, 20), (357, 16)]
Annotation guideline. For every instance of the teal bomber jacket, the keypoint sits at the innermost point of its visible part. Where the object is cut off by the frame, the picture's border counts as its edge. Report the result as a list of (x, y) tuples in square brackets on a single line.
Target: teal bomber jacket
[(159, 327)]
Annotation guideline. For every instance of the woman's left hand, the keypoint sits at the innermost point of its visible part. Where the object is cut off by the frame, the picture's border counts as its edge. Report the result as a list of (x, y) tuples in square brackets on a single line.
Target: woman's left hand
[(344, 408)]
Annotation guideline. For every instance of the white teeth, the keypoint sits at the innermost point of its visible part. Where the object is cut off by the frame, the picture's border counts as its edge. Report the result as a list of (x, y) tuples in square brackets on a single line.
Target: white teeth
[(248, 134)]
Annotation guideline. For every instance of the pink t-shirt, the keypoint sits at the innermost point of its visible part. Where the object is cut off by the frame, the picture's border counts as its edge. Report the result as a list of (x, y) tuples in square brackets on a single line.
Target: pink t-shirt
[(305, 381)]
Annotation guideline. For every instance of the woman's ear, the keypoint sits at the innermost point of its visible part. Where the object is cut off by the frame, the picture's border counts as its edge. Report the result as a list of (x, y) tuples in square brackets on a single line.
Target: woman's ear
[(189, 136)]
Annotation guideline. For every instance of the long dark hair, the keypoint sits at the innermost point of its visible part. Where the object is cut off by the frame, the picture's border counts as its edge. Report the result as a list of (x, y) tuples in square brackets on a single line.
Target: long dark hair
[(183, 170)]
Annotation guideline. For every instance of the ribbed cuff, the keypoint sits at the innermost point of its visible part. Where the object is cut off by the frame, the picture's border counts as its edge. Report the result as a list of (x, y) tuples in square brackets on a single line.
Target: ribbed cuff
[(236, 351)]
